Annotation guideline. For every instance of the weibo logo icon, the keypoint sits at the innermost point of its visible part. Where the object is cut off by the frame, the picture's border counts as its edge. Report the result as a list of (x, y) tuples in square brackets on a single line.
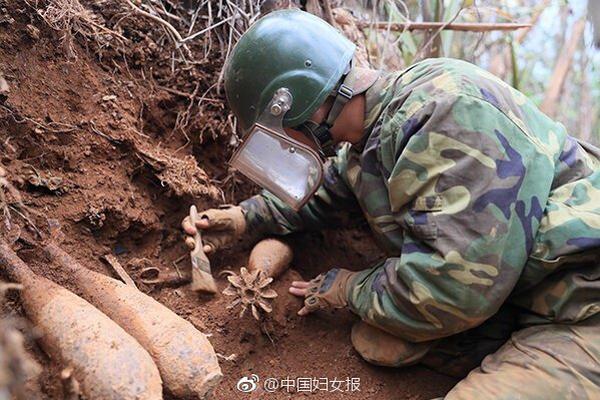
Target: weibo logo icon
[(248, 384)]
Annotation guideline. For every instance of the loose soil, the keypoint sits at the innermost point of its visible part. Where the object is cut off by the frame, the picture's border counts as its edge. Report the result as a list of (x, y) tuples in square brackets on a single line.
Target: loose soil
[(90, 142)]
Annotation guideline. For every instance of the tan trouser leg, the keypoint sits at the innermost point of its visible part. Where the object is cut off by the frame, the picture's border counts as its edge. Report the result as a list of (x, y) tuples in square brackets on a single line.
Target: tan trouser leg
[(455, 355), (543, 362), (380, 348)]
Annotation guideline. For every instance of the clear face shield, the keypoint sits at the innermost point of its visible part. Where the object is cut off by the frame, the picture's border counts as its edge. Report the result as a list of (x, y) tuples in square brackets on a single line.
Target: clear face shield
[(290, 170)]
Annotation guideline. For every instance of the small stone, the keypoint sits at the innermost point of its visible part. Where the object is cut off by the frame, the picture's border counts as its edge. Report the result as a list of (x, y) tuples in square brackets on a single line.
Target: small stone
[(109, 97), (4, 88), (33, 32)]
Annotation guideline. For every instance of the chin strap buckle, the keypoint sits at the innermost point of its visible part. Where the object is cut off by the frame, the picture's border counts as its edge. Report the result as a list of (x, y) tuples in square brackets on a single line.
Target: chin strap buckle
[(345, 91)]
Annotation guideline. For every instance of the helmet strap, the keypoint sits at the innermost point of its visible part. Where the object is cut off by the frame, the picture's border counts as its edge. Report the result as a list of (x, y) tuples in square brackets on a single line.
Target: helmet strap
[(320, 133)]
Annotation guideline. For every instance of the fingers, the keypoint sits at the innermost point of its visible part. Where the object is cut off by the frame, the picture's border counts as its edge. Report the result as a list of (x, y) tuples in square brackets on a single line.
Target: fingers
[(190, 242), (203, 223), (303, 311), (299, 288), (211, 222), (188, 227), (300, 284), (297, 291)]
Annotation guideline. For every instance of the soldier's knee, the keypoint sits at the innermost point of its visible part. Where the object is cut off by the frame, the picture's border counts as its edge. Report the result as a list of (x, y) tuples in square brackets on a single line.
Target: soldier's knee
[(381, 348)]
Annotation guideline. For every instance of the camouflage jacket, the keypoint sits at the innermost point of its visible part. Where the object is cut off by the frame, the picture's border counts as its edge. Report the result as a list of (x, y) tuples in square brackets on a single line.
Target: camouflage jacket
[(477, 196)]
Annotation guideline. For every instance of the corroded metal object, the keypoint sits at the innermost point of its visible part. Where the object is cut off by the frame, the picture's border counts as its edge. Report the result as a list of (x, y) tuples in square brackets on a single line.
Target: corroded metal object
[(251, 287)]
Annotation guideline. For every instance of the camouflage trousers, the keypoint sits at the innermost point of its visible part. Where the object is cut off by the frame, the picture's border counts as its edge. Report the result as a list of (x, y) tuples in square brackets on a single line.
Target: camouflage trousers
[(538, 362)]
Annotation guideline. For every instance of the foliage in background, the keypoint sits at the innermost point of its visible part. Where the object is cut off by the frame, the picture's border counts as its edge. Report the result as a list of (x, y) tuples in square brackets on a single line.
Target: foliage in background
[(525, 58)]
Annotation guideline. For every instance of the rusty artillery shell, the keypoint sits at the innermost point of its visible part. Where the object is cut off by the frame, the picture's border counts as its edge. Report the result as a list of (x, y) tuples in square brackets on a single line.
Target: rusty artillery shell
[(184, 356), (272, 256), (108, 363)]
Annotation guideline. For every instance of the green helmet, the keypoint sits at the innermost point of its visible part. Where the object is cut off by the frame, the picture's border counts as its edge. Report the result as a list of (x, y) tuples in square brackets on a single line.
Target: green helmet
[(285, 49)]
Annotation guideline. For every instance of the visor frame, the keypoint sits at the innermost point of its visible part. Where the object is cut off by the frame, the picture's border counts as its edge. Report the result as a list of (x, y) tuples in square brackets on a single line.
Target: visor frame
[(282, 136)]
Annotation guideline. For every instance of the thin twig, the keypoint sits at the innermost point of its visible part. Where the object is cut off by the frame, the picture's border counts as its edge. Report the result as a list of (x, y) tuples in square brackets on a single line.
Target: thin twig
[(436, 34), (164, 11), (387, 34), (54, 127), (166, 24), (458, 26), (27, 220), (195, 35), (188, 95), (102, 134), (118, 268)]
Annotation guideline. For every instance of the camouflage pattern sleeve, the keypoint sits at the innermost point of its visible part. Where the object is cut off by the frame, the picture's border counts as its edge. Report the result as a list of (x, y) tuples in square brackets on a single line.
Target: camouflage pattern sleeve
[(467, 187), (333, 205)]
